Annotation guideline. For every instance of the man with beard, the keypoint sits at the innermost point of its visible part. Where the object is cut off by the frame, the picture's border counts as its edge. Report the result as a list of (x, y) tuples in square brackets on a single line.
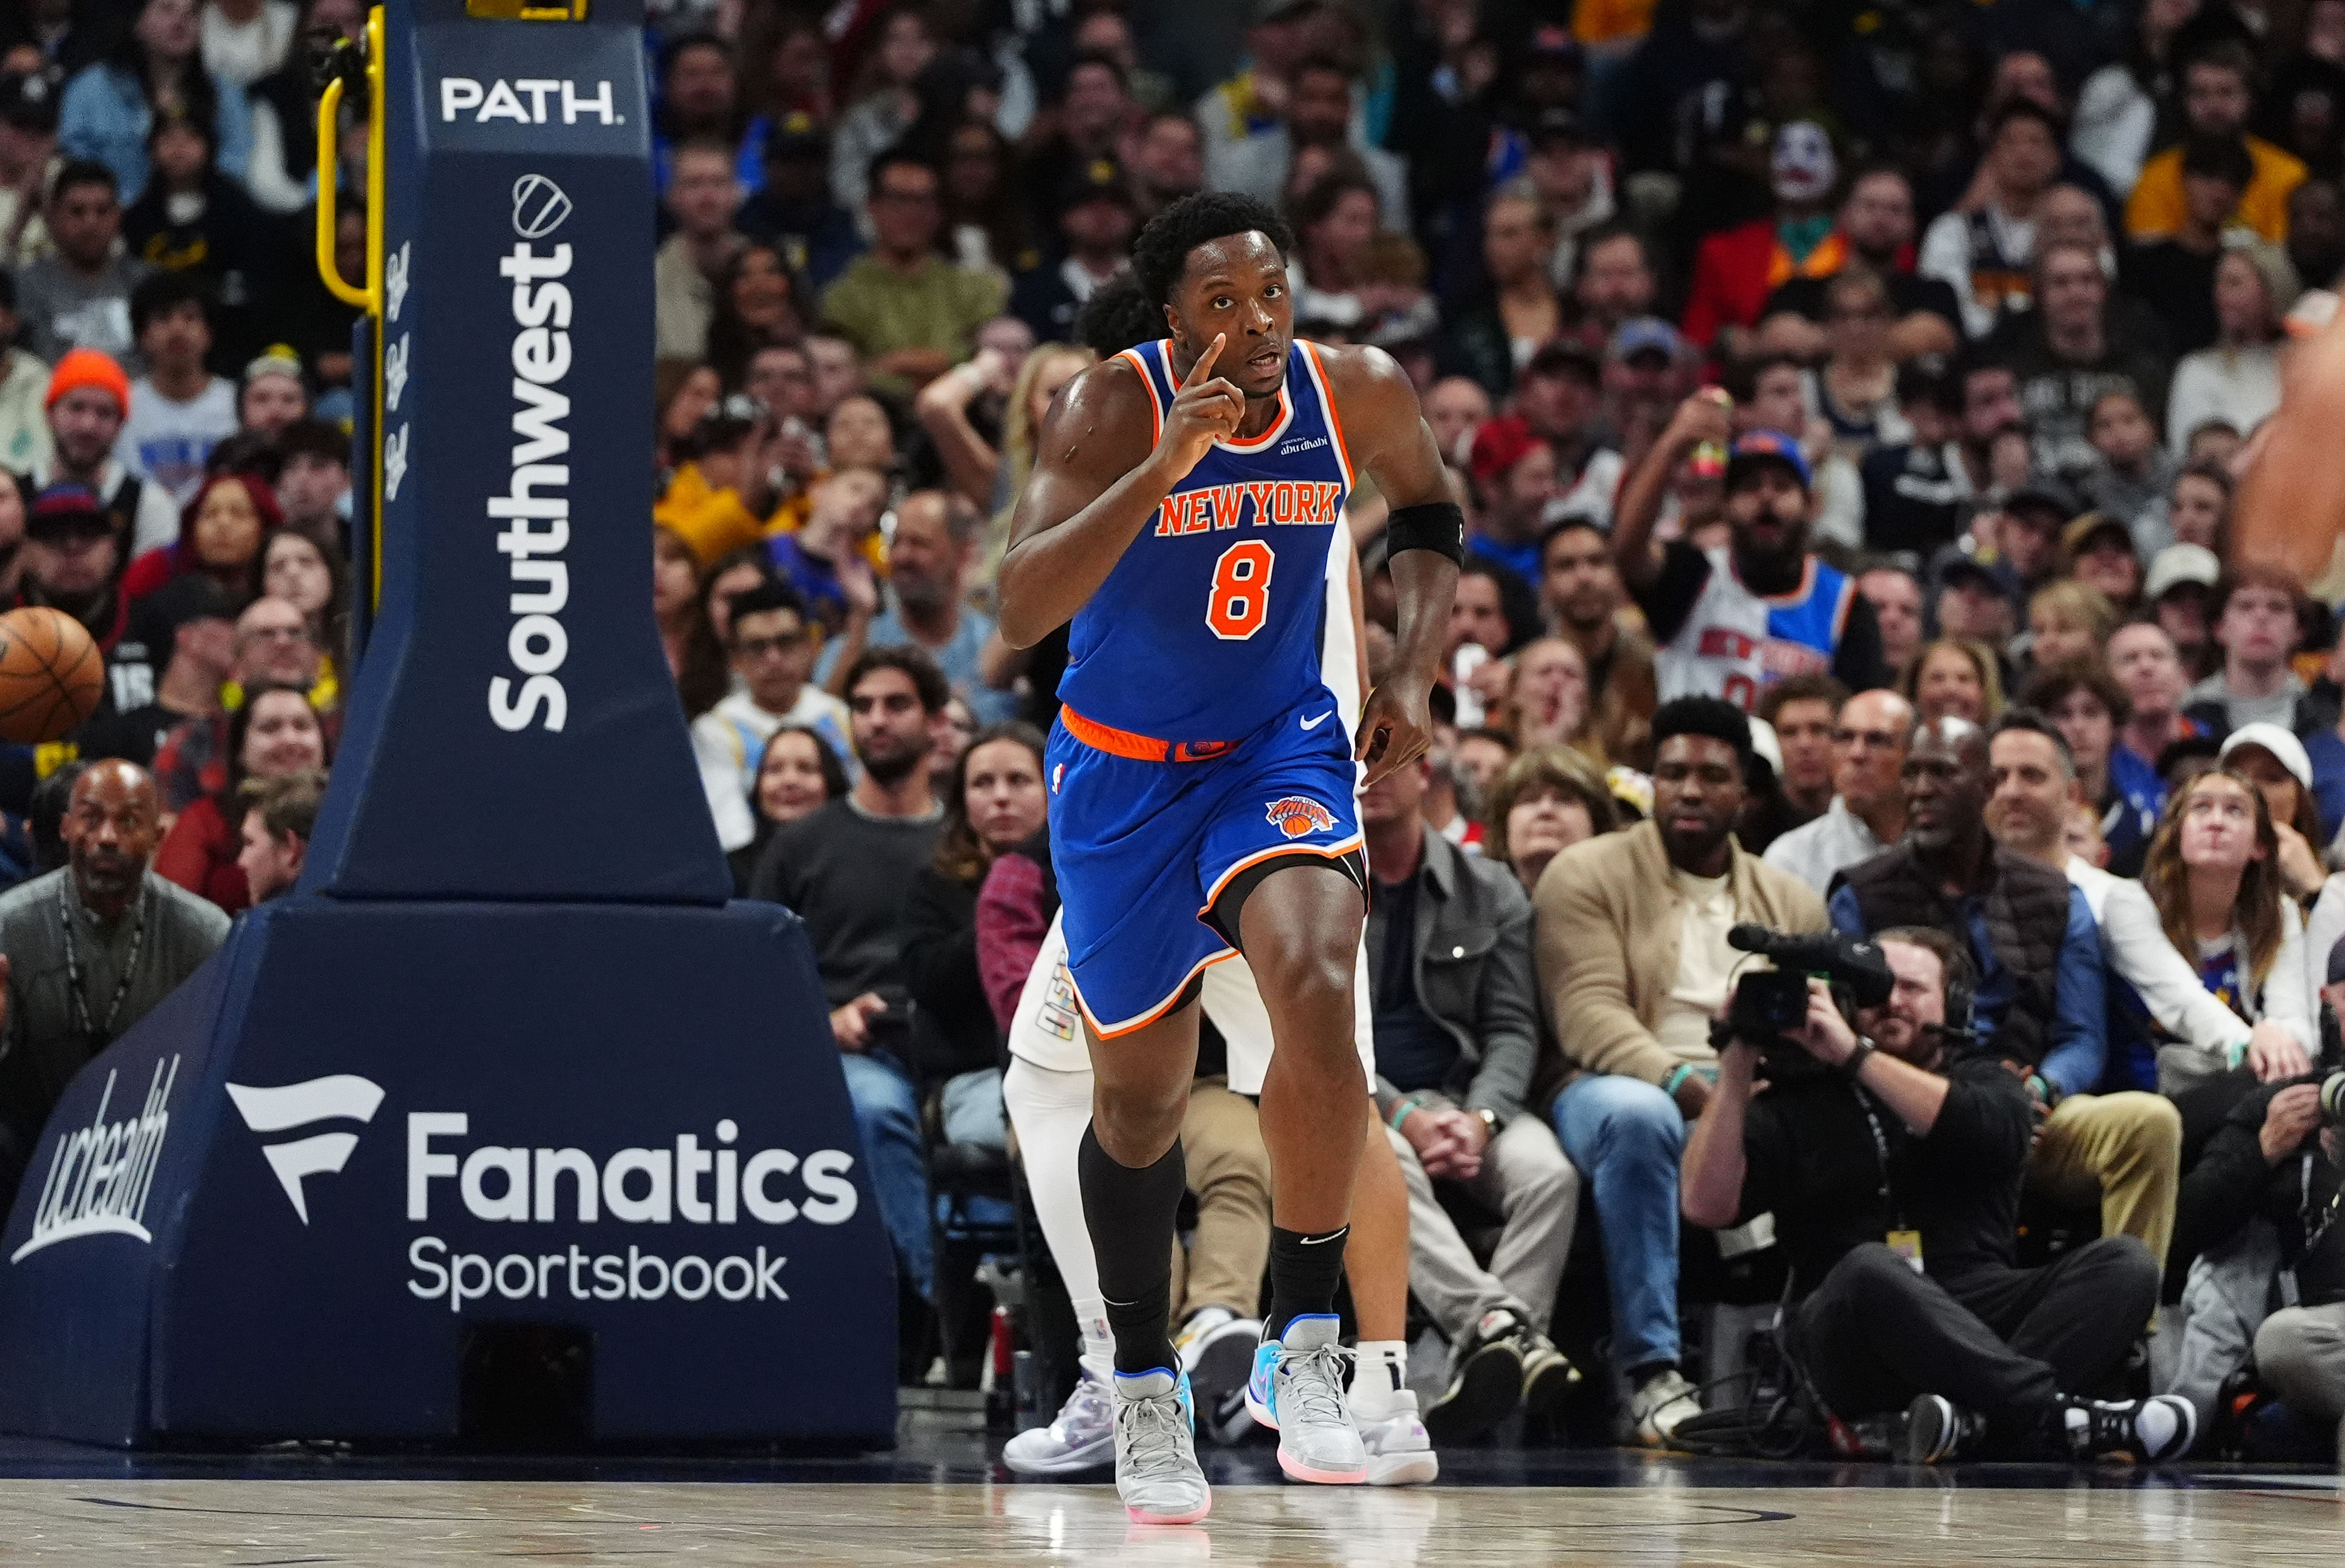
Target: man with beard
[(847, 871), (88, 403), (927, 560), (1634, 963), (1579, 595), (1732, 622), (72, 558), (89, 950)]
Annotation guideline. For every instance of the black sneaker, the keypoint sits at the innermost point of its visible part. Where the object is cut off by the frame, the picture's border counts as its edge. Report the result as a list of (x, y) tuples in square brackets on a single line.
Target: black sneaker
[(1934, 1429), (2151, 1431), (1486, 1386), (1548, 1376)]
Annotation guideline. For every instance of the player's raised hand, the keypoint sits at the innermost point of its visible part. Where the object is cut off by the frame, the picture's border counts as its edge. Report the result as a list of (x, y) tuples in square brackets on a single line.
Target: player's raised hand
[(1207, 410)]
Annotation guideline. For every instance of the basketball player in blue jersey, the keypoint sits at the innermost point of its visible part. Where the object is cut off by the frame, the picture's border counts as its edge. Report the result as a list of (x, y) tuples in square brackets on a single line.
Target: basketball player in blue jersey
[(1201, 804), (1734, 620)]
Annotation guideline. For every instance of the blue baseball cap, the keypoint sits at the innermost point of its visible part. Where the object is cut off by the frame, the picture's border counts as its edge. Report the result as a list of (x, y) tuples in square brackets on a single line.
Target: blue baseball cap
[(1645, 335), (1768, 446)]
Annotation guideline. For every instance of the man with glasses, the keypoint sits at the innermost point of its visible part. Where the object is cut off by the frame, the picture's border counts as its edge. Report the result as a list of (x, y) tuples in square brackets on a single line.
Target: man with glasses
[(906, 309), (773, 654), (273, 643), (846, 870), (1867, 814)]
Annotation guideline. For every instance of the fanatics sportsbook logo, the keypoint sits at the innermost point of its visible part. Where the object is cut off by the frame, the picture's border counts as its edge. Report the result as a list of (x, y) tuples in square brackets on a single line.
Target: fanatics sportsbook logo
[(343, 1097), (1298, 816)]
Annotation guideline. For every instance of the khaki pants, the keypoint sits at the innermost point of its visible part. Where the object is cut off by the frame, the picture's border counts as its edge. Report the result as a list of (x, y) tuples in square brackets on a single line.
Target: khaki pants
[(2122, 1150), (1525, 1177), (1229, 1170), (2300, 1357)]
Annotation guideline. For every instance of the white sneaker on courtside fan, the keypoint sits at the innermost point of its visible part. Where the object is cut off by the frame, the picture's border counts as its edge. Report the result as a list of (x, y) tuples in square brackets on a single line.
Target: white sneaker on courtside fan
[(1400, 1453), (1081, 1438), (1156, 1470)]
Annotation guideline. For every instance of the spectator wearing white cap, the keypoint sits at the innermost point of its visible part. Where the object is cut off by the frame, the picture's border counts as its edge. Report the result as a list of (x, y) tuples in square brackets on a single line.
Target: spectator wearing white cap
[(1737, 268), (2179, 590), (2273, 756)]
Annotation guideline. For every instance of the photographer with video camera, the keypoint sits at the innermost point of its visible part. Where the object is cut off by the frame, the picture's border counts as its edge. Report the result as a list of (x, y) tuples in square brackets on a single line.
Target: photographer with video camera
[(1890, 1156)]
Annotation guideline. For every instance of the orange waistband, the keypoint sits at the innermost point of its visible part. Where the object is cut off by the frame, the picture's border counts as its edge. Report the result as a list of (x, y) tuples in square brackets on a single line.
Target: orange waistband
[(1139, 748)]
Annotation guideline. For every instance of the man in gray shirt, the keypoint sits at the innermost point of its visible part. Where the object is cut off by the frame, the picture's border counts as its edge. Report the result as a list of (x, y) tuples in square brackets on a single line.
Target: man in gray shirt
[(80, 297), (89, 950), (2256, 626)]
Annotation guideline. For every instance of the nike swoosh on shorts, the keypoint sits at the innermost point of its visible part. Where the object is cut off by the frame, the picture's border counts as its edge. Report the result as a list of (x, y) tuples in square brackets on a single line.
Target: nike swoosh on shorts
[(1314, 723)]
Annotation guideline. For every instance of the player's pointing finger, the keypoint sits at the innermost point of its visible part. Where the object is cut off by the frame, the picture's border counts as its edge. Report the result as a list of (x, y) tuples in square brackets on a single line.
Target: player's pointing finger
[(1205, 365)]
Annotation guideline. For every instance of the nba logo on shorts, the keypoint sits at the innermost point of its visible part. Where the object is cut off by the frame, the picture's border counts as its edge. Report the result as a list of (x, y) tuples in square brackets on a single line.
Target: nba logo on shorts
[(1296, 815)]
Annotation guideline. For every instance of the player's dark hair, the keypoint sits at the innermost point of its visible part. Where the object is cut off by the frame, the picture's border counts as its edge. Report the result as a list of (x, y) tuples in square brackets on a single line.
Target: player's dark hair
[(919, 668), (1160, 253), (1714, 717), (1117, 316)]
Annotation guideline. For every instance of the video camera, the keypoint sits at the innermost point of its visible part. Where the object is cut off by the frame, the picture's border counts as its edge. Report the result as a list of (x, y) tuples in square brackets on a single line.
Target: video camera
[(1768, 1004)]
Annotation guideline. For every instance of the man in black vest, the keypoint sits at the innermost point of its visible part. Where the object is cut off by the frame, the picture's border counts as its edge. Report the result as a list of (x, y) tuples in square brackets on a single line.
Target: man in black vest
[(2031, 936)]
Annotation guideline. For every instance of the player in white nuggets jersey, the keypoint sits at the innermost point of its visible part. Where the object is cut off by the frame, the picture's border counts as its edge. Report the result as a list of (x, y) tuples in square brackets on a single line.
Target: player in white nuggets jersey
[(1732, 622)]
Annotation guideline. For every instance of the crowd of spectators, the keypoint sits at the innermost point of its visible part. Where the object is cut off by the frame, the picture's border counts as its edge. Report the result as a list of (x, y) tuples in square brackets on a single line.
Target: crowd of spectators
[(1847, 406)]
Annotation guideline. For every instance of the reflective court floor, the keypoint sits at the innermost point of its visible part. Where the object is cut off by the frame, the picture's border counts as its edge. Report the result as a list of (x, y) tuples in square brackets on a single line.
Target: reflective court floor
[(938, 1498)]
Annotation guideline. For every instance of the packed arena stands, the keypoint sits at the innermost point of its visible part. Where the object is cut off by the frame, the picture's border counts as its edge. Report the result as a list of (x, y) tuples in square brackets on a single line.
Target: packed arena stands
[(1848, 404)]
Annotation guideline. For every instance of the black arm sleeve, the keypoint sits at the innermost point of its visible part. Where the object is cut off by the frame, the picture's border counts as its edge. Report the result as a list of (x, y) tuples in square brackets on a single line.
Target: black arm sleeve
[(1685, 571)]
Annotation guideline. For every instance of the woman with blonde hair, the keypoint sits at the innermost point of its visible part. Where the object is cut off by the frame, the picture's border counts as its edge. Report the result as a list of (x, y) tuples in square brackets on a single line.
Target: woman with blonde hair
[(1953, 678), (2067, 621), (2213, 876), (991, 476), (1547, 801)]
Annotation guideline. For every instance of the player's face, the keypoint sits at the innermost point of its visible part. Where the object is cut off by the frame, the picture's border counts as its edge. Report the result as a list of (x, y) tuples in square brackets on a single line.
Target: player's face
[(1235, 287)]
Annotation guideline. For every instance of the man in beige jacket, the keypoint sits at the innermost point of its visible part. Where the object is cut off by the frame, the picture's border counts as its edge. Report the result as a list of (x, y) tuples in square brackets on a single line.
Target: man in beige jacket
[(1634, 963)]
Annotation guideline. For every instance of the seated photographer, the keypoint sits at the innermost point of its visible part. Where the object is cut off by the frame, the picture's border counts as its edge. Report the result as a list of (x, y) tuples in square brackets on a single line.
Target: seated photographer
[(2301, 1348), (1891, 1165), (2252, 1207), (1457, 1028), (2119, 1151), (1634, 960)]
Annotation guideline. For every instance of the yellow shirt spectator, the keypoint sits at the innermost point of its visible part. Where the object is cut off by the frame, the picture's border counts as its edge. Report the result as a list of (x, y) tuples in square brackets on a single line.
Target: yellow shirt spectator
[(2157, 207)]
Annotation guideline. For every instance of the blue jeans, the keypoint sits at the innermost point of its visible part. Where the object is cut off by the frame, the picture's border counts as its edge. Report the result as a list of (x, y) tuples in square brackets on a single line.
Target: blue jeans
[(1625, 1136), (888, 1115)]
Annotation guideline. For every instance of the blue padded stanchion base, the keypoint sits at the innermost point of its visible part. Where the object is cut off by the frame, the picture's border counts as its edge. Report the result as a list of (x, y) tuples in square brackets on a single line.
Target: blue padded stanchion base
[(247, 1218)]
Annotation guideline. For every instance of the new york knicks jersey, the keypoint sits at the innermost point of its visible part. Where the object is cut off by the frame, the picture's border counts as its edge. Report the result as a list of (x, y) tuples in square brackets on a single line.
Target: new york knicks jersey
[(1210, 624), (1736, 643)]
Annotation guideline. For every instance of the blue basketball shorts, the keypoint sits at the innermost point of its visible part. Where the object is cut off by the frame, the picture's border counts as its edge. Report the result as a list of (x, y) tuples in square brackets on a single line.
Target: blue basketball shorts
[(1147, 833)]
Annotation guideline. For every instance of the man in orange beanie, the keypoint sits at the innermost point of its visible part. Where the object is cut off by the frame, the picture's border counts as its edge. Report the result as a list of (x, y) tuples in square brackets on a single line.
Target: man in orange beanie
[(88, 399)]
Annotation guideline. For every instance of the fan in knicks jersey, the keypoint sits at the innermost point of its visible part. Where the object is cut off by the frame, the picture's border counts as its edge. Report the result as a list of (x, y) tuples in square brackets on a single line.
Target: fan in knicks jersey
[(1733, 621), (1201, 797)]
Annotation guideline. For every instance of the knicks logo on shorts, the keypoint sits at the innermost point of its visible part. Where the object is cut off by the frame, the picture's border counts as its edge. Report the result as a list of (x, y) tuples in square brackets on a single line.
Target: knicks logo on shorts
[(1298, 816)]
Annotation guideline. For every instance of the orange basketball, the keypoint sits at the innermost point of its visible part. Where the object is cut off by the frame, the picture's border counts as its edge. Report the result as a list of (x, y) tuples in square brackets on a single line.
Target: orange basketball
[(51, 674)]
